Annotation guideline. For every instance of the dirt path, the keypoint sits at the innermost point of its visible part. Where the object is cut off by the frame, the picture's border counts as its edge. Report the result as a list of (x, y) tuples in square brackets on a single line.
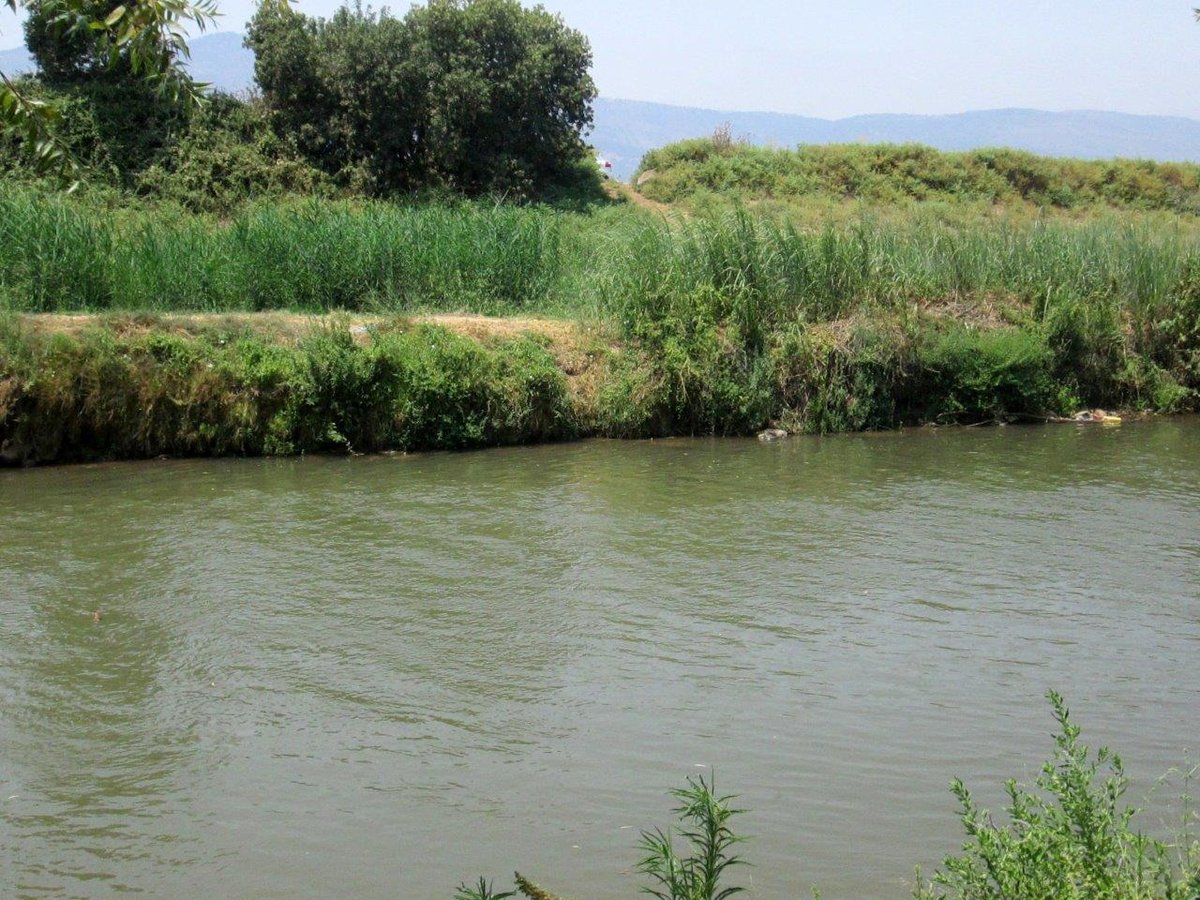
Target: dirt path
[(617, 190), (292, 326)]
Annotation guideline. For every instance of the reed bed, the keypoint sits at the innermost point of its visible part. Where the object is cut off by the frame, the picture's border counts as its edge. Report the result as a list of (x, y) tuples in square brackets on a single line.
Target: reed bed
[(305, 256), (60, 255)]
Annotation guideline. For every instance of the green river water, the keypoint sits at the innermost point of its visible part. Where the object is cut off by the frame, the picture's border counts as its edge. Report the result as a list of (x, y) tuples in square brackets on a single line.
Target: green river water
[(377, 677)]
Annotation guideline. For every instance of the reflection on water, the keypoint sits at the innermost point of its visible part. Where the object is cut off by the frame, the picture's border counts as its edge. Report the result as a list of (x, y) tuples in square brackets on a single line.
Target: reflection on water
[(380, 676)]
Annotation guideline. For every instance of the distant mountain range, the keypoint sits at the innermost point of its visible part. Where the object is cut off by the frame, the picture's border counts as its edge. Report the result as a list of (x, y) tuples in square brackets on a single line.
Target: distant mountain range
[(626, 129)]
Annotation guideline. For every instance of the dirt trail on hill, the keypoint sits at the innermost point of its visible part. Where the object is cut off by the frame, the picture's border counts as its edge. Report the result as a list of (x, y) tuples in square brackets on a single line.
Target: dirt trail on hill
[(616, 190)]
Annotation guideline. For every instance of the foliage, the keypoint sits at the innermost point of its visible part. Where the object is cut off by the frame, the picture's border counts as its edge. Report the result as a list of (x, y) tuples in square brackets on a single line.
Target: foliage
[(830, 381), (473, 95), (1069, 837), (228, 156), (1174, 332), (481, 891), (727, 323), (484, 890), (705, 826), (30, 124), (214, 158), (67, 255), (136, 391), (340, 89), (531, 890), (988, 375), (111, 130), (67, 49), (146, 38), (689, 377)]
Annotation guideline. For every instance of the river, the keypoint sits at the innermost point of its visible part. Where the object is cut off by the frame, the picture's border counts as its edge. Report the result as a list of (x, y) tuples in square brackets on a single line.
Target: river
[(381, 676)]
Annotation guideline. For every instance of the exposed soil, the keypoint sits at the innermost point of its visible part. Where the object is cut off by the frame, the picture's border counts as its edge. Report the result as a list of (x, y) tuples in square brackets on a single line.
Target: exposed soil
[(617, 191), (293, 326)]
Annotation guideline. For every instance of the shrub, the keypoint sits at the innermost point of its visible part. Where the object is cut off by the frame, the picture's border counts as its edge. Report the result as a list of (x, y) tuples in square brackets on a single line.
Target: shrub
[(829, 383), (113, 127), (228, 156), (990, 375), (890, 173), (109, 394), (1070, 837)]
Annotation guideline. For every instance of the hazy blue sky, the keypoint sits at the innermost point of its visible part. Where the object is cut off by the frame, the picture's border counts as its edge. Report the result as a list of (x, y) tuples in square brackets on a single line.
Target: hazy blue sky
[(835, 58)]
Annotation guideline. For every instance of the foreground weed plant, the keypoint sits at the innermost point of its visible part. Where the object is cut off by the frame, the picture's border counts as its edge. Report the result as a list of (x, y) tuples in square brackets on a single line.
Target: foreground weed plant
[(704, 824), (1069, 838), (484, 890)]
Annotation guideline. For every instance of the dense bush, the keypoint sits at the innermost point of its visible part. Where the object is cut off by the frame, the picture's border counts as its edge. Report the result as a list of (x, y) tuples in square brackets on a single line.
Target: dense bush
[(114, 128), (988, 374), (127, 137), (1067, 837), (228, 156), (473, 95)]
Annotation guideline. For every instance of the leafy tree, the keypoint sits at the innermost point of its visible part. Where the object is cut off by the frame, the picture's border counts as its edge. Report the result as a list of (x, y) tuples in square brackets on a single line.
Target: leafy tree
[(65, 46), (508, 92), (474, 95), (342, 89), (146, 39)]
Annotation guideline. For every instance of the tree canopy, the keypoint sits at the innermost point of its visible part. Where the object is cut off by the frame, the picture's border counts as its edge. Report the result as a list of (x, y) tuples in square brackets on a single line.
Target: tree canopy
[(74, 38), (473, 95)]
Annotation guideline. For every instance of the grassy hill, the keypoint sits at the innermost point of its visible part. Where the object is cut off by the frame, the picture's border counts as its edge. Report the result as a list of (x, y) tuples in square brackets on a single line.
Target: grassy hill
[(892, 173), (628, 129)]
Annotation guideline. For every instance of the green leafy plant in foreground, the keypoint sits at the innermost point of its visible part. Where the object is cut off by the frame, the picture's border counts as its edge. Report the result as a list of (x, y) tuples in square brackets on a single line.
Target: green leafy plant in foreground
[(704, 824), (481, 891), (1071, 836), (485, 891), (705, 819)]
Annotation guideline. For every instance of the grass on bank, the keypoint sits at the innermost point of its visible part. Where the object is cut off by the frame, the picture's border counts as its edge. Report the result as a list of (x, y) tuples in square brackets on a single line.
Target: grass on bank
[(105, 394), (66, 254)]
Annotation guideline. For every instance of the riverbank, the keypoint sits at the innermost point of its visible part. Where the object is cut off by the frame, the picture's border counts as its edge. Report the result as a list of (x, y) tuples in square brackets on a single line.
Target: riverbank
[(96, 387), (134, 329)]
